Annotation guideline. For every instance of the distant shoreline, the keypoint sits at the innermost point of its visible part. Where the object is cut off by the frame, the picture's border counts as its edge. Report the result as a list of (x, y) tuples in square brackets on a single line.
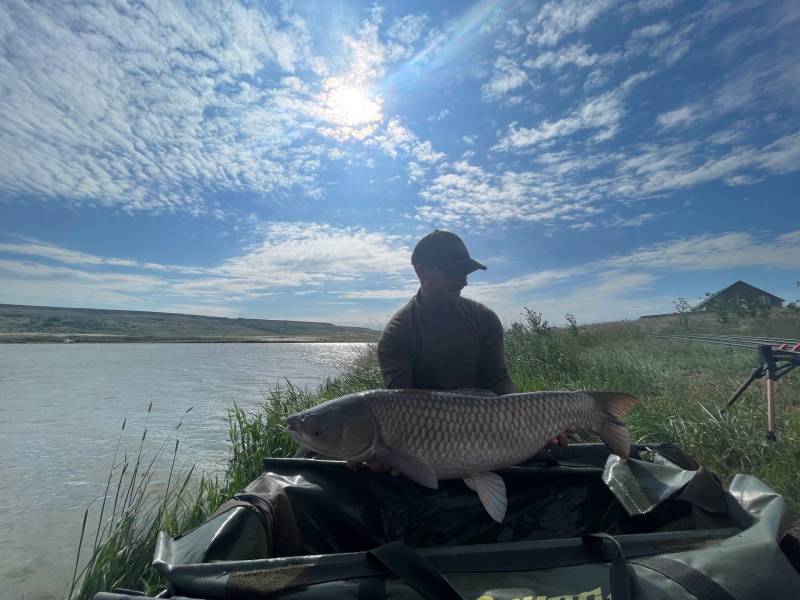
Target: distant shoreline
[(27, 338), (21, 324)]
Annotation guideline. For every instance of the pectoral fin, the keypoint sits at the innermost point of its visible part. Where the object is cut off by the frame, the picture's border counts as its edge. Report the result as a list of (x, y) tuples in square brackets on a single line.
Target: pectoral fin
[(492, 491), (412, 466)]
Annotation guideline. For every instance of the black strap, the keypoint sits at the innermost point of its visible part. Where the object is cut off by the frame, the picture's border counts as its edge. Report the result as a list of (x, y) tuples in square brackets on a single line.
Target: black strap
[(696, 582), (371, 588), (520, 556), (619, 574), (415, 570)]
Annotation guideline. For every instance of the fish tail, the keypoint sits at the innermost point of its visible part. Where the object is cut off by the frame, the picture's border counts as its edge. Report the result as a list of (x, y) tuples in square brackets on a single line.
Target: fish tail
[(612, 406)]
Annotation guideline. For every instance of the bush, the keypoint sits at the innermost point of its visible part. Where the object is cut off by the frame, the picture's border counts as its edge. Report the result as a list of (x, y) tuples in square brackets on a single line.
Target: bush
[(682, 309)]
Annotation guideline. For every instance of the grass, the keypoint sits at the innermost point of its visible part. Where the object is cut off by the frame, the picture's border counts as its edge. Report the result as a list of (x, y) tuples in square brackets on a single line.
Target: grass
[(682, 388)]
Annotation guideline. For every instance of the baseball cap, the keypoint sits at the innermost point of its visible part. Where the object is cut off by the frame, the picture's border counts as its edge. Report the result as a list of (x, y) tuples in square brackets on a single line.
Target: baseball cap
[(447, 251)]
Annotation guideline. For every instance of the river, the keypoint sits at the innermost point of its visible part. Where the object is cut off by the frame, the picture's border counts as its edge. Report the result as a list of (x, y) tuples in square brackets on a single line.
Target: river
[(61, 412)]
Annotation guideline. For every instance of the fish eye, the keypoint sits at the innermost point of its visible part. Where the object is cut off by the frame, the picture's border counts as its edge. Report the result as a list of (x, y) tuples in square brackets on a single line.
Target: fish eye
[(317, 433)]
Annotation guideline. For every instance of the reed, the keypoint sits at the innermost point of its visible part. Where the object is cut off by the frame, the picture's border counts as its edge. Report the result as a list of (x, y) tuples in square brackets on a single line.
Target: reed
[(682, 388)]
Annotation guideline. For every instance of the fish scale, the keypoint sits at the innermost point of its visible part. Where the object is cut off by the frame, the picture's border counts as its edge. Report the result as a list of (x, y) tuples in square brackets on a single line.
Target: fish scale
[(456, 431), (431, 435)]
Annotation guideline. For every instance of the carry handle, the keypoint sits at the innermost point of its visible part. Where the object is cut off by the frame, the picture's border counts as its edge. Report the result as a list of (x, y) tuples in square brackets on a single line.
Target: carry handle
[(408, 565), (619, 573)]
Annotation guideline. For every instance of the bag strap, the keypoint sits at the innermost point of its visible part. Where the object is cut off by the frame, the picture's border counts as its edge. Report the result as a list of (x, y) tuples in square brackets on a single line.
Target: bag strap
[(415, 570), (619, 573), (300, 572), (696, 582)]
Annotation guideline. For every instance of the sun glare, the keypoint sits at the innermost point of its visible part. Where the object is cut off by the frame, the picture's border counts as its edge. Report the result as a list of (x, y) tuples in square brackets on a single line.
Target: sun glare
[(350, 109)]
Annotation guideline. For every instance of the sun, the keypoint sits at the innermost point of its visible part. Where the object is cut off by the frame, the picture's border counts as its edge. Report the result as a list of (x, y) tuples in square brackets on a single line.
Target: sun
[(351, 106), (351, 110)]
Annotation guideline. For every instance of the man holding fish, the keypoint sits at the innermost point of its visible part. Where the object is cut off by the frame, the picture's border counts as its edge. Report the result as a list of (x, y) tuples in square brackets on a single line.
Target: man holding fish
[(440, 340), (451, 411)]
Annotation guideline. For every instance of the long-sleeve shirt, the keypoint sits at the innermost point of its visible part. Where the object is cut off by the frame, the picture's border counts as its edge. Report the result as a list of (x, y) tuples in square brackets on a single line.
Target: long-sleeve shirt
[(444, 347)]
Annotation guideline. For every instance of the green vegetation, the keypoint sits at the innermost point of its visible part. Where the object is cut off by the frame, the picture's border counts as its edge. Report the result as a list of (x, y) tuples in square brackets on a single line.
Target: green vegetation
[(49, 324), (681, 386), (123, 550)]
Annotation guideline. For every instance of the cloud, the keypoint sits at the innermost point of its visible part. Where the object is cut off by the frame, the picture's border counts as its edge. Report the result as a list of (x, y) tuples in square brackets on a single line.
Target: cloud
[(715, 251), (101, 109), (577, 55), (603, 296), (590, 292), (603, 112), (408, 29), (647, 6), (505, 77), (415, 171), (525, 284), (159, 109), (463, 194), (622, 286), (289, 257), (390, 294), (63, 255), (636, 221), (442, 114), (346, 104), (657, 168), (653, 30), (559, 18), (764, 82), (678, 117), (396, 139)]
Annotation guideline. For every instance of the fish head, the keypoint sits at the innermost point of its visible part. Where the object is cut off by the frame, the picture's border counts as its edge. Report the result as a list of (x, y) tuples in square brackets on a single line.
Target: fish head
[(343, 430)]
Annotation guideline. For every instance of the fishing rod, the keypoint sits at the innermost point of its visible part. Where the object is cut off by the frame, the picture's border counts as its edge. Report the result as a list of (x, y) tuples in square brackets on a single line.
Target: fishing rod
[(776, 357), (758, 341)]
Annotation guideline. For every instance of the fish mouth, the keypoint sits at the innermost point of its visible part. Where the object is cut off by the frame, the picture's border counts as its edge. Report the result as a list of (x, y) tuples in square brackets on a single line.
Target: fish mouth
[(293, 428)]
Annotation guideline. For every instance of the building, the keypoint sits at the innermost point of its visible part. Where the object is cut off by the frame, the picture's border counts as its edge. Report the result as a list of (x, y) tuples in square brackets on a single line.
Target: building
[(737, 293)]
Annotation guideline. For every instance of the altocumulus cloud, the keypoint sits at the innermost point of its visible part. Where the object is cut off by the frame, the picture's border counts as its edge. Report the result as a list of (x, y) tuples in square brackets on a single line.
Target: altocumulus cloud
[(289, 256), (151, 106)]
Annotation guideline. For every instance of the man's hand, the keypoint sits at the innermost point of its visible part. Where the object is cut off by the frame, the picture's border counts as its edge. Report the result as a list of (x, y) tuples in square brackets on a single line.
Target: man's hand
[(563, 438), (375, 465)]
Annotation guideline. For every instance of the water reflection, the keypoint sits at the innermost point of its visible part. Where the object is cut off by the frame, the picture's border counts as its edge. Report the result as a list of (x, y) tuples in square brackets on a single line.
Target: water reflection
[(61, 412)]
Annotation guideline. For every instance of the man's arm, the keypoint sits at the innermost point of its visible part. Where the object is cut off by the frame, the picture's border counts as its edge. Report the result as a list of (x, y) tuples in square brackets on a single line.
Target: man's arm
[(494, 374), (396, 362), (398, 373)]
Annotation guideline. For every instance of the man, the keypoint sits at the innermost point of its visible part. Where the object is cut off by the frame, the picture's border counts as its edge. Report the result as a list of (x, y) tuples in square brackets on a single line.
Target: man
[(441, 340)]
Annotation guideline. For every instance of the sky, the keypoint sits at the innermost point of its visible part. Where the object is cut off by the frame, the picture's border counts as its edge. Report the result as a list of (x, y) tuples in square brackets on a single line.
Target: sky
[(280, 159)]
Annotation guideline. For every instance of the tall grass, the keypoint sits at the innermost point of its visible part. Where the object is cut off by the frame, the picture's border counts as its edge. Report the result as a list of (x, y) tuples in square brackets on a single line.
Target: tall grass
[(682, 388), (123, 550)]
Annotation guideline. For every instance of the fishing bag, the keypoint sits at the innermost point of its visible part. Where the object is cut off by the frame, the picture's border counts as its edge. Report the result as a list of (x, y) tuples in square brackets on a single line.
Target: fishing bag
[(581, 525)]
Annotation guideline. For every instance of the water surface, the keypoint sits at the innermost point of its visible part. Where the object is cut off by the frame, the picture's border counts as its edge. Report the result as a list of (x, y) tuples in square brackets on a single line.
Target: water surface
[(61, 412)]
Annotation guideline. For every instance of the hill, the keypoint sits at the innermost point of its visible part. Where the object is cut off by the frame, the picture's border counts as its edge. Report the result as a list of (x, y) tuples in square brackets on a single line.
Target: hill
[(20, 323)]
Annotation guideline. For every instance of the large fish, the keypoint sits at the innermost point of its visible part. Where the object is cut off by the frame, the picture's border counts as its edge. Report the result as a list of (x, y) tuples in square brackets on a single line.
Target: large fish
[(433, 435)]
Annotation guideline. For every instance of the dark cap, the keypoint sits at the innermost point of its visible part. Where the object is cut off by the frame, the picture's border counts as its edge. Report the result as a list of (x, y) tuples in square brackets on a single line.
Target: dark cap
[(447, 251)]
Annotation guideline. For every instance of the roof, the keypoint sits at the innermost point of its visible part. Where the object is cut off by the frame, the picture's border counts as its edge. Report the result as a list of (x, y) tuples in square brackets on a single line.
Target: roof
[(725, 289)]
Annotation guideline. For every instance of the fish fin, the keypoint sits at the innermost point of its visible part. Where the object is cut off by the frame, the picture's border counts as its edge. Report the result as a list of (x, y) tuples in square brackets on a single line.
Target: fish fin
[(617, 404), (492, 491), (613, 406), (412, 466)]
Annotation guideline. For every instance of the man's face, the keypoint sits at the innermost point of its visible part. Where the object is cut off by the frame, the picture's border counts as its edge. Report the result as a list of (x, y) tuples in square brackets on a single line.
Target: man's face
[(439, 285)]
